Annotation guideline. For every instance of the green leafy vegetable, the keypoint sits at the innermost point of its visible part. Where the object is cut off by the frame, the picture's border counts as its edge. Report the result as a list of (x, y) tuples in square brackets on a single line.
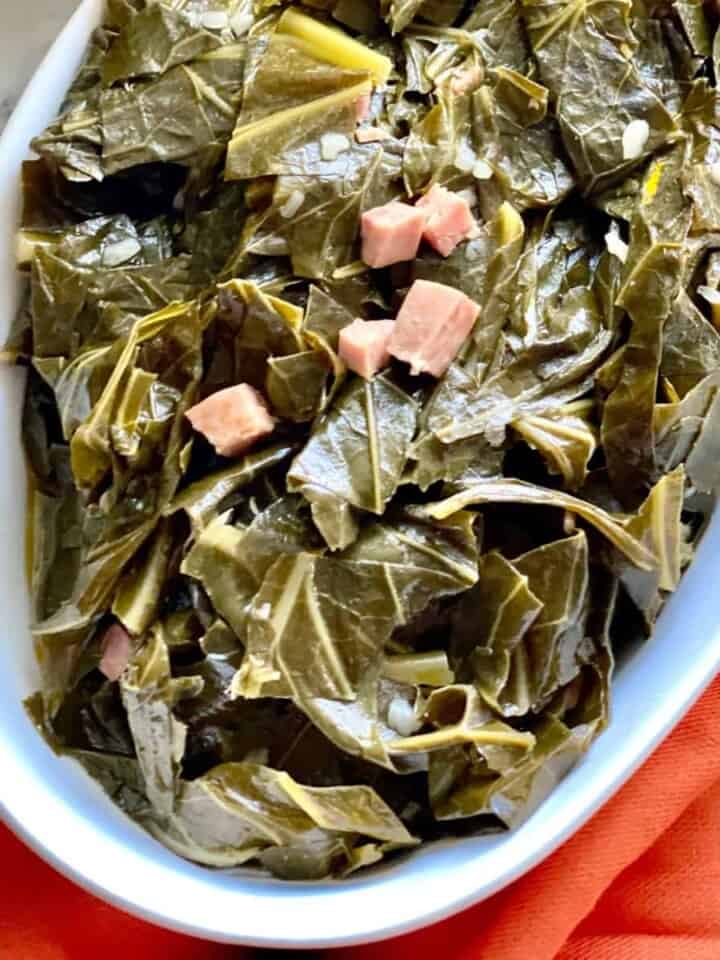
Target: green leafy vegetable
[(204, 500), (516, 792), (402, 607), (518, 491), (657, 234), (149, 694), (291, 100), (585, 57), (518, 142), (349, 605), (187, 111), (231, 562), (658, 525), (243, 811), (154, 40), (359, 450), (296, 385), (314, 214)]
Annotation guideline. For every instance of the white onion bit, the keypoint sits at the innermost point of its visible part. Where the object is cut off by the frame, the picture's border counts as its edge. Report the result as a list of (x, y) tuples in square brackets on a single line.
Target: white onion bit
[(241, 23), (464, 159), (634, 139), (615, 244), (122, 251), (482, 170), (332, 145), (292, 204), (214, 20), (263, 612), (710, 295), (401, 717), (371, 134)]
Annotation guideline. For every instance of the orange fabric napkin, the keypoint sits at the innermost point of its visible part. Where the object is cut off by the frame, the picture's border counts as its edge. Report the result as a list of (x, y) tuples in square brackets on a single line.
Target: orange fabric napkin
[(640, 882)]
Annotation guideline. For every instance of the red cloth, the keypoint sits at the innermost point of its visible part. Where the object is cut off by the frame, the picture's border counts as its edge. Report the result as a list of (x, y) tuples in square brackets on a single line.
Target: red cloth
[(640, 882)]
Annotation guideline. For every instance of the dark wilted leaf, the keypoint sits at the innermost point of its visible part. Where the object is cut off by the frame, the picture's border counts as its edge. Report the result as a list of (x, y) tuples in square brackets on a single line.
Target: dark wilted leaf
[(585, 59), (359, 449), (401, 607), (178, 117), (243, 811), (350, 605), (154, 40)]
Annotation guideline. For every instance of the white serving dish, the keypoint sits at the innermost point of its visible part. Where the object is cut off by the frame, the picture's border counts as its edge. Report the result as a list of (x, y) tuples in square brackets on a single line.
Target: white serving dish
[(64, 816)]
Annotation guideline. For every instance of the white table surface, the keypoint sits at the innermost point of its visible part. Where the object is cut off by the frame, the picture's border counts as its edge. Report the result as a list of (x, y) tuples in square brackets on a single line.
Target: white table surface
[(27, 28)]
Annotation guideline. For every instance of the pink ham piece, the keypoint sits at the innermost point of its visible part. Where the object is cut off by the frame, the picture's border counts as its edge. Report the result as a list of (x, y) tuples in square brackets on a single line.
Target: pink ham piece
[(431, 326), (391, 233), (364, 346), (232, 419), (116, 645), (448, 219)]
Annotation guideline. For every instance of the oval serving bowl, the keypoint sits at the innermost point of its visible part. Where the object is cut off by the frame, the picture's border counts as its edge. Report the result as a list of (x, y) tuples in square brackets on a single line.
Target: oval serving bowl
[(63, 815)]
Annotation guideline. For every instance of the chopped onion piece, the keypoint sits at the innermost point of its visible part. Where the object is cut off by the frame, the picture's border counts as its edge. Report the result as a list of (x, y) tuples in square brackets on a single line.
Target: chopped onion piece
[(482, 170), (371, 134), (214, 20), (402, 718), (332, 145), (122, 251), (615, 244), (634, 139), (464, 159), (263, 612), (292, 204)]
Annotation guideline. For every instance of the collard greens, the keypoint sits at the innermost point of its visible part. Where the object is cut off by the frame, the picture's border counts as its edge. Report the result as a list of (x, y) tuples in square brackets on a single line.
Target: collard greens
[(402, 608)]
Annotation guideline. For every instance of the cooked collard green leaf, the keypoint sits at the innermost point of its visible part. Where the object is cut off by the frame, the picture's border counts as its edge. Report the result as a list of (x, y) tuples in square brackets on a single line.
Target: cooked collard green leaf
[(359, 449), (154, 40), (400, 600), (149, 693), (585, 57), (243, 811), (182, 115), (657, 233)]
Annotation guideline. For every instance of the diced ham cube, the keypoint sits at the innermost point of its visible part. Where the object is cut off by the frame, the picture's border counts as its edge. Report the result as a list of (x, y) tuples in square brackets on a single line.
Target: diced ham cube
[(448, 219), (391, 233), (362, 107), (116, 645), (232, 419), (364, 346), (431, 326)]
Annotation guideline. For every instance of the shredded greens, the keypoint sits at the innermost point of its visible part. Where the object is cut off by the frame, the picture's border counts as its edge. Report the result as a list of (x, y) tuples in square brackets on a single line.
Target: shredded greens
[(395, 618)]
